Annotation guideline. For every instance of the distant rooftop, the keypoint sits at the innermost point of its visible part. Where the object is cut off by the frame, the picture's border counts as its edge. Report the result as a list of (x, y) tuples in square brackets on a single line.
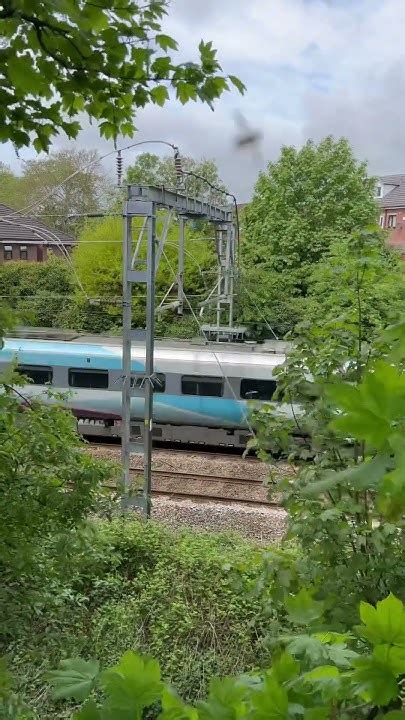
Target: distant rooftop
[(395, 198), (17, 227)]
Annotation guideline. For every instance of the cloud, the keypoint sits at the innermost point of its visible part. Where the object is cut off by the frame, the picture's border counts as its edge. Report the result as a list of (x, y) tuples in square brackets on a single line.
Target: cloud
[(312, 67)]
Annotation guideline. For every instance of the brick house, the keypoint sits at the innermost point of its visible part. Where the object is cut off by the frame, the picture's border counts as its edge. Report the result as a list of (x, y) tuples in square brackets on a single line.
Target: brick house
[(26, 238), (390, 193)]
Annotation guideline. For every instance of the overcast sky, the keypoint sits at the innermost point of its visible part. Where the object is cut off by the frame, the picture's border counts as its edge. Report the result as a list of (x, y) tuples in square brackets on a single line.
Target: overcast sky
[(311, 67)]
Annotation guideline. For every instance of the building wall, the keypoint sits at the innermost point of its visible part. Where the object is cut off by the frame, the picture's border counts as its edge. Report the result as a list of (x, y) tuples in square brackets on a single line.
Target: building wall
[(35, 252), (396, 237)]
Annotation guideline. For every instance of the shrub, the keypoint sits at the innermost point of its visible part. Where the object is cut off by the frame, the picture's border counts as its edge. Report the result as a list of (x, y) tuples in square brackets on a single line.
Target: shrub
[(130, 584)]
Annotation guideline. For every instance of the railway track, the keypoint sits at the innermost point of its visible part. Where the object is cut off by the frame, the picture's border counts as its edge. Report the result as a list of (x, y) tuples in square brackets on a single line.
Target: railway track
[(212, 481), (200, 488), (228, 500), (197, 449)]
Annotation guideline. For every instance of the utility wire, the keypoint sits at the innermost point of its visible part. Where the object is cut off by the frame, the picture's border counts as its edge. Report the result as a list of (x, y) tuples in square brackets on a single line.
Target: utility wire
[(46, 233), (26, 209), (217, 360)]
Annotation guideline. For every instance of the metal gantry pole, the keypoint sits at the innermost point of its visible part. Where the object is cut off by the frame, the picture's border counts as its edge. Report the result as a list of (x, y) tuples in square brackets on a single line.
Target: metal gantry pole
[(143, 201), (231, 271), (138, 270), (149, 361), (126, 356), (180, 268)]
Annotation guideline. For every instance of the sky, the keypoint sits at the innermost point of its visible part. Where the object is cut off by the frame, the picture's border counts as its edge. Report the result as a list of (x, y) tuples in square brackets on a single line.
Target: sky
[(311, 67)]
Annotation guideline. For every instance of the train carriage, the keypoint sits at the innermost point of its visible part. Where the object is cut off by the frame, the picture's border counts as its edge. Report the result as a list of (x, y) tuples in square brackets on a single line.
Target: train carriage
[(201, 392)]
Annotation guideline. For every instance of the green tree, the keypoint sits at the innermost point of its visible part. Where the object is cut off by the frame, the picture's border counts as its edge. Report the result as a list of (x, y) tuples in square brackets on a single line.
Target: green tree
[(9, 186), (345, 385), (305, 201), (358, 272), (37, 292), (98, 262), (150, 169), (87, 191), (104, 59)]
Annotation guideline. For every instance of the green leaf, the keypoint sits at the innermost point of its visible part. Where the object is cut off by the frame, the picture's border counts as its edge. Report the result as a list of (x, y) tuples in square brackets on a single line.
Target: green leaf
[(270, 703), (366, 475), (39, 144), (326, 679), (392, 657), (317, 713), (159, 94), (375, 682), (23, 75), (391, 493), (185, 92), (384, 623), (75, 678), (395, 715), (107, 129), (307, 646), (89, 711), (133, 684), (303, 609), (237, 83), (173, 708), (166, 42), (285, 668), (225, 700)]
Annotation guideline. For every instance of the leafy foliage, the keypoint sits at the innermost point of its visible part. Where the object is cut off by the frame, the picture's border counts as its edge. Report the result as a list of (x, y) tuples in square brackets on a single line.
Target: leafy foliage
[(37, 292), (114, 591), (47, 481), (352, 683), (150, 169), (105, 60), (347, 505), (305, 201), (360, 269), (43, 182), (98, 263)]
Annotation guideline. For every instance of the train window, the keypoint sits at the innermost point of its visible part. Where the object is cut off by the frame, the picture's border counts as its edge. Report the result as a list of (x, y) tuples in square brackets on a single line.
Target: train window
[(158, 379), (257, 389), (197, 385), (94, 379), (38, 374)]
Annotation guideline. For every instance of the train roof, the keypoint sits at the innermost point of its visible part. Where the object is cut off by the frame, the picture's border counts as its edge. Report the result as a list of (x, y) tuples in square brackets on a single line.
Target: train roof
[(270, 346), (211, 359)]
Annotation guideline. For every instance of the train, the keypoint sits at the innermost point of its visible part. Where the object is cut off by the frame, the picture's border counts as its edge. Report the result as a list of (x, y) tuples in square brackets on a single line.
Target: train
[(202, 392)]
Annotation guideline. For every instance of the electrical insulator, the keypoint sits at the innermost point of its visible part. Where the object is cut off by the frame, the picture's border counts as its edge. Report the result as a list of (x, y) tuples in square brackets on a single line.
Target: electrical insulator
[(178, 168), (119, 168)]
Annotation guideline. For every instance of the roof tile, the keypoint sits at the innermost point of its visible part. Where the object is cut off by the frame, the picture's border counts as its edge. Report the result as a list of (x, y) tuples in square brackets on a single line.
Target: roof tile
[(16, 227)]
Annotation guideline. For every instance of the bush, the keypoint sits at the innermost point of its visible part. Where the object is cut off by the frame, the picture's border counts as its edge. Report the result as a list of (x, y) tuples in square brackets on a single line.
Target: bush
[(322, 675), (156, 591)]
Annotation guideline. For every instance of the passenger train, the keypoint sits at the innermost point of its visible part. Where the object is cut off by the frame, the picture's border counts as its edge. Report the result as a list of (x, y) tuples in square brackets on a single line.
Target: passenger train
[(201, 392)]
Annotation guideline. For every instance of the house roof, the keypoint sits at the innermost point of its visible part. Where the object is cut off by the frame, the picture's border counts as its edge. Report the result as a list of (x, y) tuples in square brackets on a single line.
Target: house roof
[(395, 198), (16, 227), (392, 179)]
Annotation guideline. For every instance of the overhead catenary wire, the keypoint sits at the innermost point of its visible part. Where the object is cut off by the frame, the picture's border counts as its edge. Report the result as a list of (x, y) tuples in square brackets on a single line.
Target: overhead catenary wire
[(217, 360), (28, 208), (47, 233)]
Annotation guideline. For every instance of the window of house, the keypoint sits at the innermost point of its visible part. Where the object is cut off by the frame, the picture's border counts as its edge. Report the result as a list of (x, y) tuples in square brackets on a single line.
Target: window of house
[(203, 386), (158, 381), (382, 221), (391, 221), (379, 191), (23, 252), (38, 374), (257, 389), (8, 252), (94, 379)]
